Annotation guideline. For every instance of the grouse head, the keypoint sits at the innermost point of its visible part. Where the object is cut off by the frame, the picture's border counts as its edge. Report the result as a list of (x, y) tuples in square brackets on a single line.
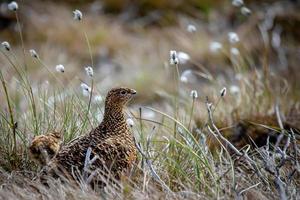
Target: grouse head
[(119, 96)]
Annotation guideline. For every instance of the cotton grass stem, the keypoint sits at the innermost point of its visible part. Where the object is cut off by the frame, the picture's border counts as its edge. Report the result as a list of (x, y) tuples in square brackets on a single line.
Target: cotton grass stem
[(50, 71), (191, 114), (176, 96), (90, 100), (21, 38), (62, 84), (25, 84), (89, 48)]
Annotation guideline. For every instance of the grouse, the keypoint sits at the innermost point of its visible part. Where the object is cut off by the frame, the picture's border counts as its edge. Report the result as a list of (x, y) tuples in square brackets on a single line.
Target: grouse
[(44, 147), (111, 143)]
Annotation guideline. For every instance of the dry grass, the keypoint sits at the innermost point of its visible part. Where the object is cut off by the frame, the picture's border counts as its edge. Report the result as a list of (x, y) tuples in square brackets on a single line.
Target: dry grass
[(182, 151)]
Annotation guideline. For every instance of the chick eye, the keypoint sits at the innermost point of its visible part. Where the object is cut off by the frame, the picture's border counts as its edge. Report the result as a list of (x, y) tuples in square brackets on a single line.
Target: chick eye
[(123, 92)]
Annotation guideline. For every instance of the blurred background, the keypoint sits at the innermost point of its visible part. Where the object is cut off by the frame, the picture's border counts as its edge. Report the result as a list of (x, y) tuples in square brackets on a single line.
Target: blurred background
[(133, 38), (248, 47)]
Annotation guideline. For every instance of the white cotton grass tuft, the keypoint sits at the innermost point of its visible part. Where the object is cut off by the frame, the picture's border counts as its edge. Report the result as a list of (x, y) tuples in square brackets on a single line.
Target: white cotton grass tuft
[(223, 92), (215, 47), (86, 90), (233, 37), (173, 57), (86, 93), (85, 87), (13, 6), (237, 3), (184, 79), (148, 114), (60, 68), (194, 94), (183, 57), (33, 53), (234, 51), (245, 11), (98, 99), (130, 122), (89, 71), (77, 15), (234, 90), (6, 45), (191, 28), (188, 76)]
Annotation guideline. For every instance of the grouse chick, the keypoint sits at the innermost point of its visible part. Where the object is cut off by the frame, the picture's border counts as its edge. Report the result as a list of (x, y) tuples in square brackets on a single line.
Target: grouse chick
[(112, 142), (44, 147)]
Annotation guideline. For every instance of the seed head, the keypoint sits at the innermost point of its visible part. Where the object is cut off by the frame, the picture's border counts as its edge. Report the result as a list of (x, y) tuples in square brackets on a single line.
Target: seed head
[(214, 47), (98, 98), (130, 122), (173, 57), (223, 92), (237, 3), (233, 37), (194, 94), (210, 105), (234, 51), (184, 79), (191, 28), (77, 15), (86, 93), (13, 6), (86, 90), (183, 57), (89, 71), (245, 11), (85, 87), (186, 75), (33, 53), (6, 45), (60, 68), (234, 89)]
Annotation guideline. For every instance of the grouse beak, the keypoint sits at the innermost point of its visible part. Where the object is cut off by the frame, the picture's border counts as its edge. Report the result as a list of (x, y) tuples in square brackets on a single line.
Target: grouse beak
[(133, 92)]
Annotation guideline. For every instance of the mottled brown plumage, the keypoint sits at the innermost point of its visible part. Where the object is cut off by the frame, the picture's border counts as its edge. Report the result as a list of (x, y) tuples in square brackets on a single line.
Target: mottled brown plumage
[(111, 141), (44, 147)]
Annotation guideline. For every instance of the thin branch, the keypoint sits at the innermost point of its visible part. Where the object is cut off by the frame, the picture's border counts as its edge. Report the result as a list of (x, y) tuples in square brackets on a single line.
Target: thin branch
[(153, 172), (248, 188), (230, 145), (295, 148), (280, 125)]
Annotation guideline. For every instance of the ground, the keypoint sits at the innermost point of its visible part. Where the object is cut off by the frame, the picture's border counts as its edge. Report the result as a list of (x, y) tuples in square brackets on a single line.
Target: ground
[(183, 153)]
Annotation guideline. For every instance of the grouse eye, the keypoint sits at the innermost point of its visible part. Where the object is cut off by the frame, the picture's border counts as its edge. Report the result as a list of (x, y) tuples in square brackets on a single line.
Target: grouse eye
[(123, 92)]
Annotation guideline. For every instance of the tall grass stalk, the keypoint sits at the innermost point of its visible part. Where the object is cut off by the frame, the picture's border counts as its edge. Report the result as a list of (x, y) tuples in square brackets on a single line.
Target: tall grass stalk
[(89, 47), (203, 158), (176, 96), (92, 79), (24, 82), (191, 114), (31, 97), (21, 38), (72, 89), (11, 114), (90, 100)]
